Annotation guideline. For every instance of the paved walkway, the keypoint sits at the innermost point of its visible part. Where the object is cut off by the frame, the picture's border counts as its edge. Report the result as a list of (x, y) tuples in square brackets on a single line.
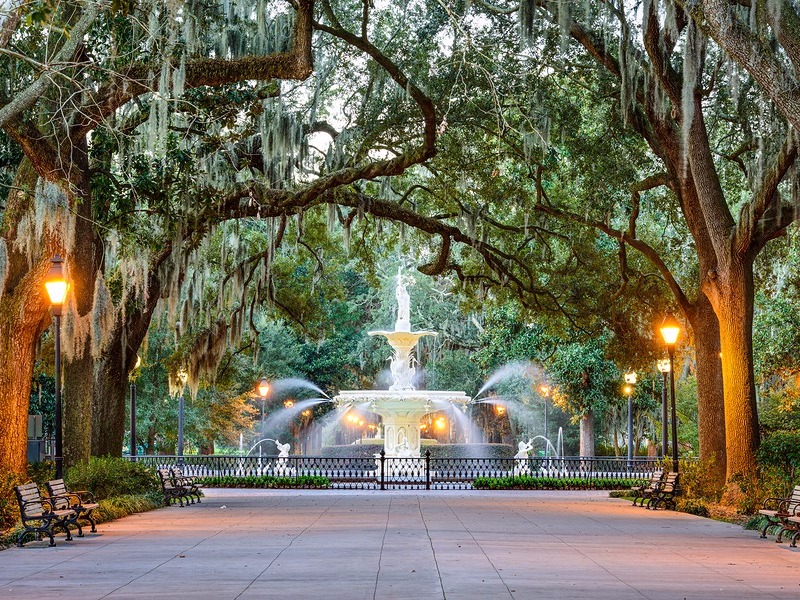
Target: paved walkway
[(255, 544)]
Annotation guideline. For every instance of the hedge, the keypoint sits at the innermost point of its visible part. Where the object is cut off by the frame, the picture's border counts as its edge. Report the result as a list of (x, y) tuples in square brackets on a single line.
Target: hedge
[(552, 483), (265, 481)]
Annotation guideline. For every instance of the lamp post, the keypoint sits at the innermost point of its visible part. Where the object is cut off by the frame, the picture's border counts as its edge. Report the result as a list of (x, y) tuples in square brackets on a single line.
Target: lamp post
[(56, 287), (183, 376), (670, 330), (263, 390), (133, 375), (664, 368), (630, 381), (544, 390)]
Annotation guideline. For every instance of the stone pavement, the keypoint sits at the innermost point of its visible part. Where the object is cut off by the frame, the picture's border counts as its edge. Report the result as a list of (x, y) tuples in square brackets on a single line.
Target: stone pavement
[(255, 544)]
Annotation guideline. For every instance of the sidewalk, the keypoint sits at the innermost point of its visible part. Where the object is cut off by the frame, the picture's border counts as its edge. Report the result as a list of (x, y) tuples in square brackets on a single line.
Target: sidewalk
[(256, 544)]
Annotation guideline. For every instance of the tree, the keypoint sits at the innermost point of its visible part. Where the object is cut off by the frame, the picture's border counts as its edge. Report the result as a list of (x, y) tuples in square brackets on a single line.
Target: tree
[(585, 381)]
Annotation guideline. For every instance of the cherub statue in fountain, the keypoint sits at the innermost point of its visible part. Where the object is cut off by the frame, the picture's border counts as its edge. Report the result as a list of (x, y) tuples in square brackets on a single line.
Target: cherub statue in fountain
[(283, 449), (522, 466)]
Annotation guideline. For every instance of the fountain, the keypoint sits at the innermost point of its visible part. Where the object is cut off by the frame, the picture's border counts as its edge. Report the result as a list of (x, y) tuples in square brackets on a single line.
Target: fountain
[(402, 405)]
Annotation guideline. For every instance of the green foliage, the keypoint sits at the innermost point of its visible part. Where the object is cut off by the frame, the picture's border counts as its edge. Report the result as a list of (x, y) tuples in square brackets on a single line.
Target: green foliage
[(776, 335), (686, 406), (693, 506), (523, 482), (9, 511), (265, 481), (108, 476), (585, 379), (780, 452), (508, 336), (117, 507), (697, 482)]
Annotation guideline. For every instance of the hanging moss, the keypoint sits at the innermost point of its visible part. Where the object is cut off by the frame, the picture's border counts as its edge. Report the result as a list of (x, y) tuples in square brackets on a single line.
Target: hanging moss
[(103, 319)]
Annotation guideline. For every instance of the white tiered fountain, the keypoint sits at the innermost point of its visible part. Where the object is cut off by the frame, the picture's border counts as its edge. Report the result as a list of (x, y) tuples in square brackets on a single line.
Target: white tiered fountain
[(402, 406)]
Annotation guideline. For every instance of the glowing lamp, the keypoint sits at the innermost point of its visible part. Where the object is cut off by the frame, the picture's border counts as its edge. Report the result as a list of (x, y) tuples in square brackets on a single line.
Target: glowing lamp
[(55, 283), (263, 387), (630, 377), (670, 329)]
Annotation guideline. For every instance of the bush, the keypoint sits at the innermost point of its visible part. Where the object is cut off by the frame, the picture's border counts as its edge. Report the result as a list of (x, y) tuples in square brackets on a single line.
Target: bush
[(265, 481), (693, 506), (524, 482), (697, 482), (9, 511), (108, 476)]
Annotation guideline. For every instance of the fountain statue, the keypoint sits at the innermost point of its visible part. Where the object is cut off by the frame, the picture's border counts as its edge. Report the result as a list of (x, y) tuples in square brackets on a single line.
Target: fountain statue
[(522, 467), (402, 405), (283, 449)]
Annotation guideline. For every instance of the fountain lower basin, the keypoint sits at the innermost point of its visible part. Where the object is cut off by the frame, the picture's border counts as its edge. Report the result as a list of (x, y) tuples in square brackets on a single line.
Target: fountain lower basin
[(401, 411)]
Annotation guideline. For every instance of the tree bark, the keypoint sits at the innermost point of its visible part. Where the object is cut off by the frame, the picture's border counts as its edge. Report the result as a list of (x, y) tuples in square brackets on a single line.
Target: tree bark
[(23, 317), (710, 390), (83, 265), (732, 297), (587, 434), (109, 393), (110, 389)]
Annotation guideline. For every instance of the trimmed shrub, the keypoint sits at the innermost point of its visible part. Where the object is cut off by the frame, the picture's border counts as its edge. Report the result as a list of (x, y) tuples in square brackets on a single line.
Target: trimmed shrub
[(524, 482), (265, 481), (108, 476)]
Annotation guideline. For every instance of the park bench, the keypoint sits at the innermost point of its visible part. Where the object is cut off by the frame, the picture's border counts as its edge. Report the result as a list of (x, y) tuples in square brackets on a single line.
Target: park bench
[(644, 492), (82, 502), (666, 492), (187, 481), (172, 490), (38, 515), (778, 511)]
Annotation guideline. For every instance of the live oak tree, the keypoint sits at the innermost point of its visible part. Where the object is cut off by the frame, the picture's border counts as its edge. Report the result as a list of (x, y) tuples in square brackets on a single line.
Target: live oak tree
[(132, 205), (716, 144)]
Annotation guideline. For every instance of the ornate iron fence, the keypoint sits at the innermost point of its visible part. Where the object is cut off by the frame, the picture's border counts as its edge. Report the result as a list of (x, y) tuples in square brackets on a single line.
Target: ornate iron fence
[(406, 473)]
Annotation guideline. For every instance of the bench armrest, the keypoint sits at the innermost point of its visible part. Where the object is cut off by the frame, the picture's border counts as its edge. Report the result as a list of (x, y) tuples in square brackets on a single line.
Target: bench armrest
[(773, 503)]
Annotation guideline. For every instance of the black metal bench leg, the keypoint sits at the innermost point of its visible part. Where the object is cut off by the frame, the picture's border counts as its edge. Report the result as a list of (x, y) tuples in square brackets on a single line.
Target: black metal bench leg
[(764, 529), (65, 526)]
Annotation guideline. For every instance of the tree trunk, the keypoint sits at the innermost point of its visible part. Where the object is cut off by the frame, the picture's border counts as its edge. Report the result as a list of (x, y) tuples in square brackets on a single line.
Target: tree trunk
[(109, 394), (23, 317), (83, 263), (587, 434), (20, 330), (733, 299), (710, 390)]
